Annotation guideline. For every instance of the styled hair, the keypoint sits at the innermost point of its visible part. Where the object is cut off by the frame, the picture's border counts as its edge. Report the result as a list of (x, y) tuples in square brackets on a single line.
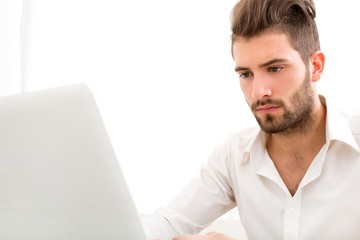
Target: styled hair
[(295, 18)]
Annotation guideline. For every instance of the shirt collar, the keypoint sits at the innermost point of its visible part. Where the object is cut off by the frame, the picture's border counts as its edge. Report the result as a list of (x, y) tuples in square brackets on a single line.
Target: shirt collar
[(337, 129), (256, 147)]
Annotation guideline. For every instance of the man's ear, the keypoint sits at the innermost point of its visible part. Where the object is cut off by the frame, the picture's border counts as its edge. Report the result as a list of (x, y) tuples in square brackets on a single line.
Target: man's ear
[(317, 62)]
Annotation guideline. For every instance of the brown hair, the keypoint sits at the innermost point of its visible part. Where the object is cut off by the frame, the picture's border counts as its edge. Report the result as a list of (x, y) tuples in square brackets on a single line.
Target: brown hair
[(295, 18)]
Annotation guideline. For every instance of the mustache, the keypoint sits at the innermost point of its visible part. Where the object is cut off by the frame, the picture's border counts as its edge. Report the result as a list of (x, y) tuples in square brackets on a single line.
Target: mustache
[(262, 102)]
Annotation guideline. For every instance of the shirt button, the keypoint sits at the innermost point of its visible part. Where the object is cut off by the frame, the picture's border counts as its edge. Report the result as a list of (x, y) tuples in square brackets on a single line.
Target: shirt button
[(291, 211)]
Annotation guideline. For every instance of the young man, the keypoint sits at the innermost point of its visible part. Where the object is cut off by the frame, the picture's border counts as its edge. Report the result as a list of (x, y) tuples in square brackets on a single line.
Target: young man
[(297, 175)]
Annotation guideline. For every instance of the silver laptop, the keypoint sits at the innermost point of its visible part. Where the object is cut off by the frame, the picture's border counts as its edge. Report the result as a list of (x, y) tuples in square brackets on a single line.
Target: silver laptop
[(59, 177)]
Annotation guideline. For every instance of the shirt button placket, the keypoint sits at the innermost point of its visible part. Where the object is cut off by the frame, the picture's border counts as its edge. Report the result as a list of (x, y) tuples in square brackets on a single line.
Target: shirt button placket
[(292, 218)]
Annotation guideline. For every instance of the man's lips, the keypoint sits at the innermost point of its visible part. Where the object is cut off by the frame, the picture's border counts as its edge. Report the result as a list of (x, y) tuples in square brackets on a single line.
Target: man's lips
[(267, 108)]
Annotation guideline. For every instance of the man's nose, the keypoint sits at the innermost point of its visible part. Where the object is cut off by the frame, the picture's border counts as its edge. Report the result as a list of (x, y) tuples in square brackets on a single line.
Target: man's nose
[(261, 88)]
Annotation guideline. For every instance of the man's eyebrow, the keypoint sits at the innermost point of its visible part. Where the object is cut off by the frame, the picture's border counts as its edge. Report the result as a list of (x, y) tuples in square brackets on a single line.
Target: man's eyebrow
[(272, 61), (265, 64), (237, 69)]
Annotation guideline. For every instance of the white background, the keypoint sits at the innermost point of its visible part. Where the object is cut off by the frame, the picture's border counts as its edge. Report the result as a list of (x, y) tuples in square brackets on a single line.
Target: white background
[(161, 72)]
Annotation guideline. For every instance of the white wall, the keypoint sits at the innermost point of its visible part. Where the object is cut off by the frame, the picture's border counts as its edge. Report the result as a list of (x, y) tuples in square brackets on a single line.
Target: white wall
[(163, 77), (340, 38), (161, 72), (10, 59)]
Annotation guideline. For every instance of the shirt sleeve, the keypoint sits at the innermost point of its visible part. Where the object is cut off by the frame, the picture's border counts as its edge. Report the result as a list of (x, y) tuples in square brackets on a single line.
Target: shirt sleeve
[(202, 201)]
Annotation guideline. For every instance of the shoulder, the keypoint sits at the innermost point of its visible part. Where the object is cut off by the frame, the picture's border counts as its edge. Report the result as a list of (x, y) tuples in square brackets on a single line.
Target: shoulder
[(353, 118), (234, 146), (225, 156), (242, 138)]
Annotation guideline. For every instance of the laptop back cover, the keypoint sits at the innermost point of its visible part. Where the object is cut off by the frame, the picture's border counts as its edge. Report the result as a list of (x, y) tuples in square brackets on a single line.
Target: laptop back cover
[(59, 176)]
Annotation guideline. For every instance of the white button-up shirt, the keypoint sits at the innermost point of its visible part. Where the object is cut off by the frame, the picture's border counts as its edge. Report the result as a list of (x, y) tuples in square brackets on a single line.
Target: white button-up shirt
[(240, 173)]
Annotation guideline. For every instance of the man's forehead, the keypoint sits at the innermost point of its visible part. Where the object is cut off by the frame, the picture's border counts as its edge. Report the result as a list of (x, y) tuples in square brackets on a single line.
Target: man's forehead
[(261, 49)]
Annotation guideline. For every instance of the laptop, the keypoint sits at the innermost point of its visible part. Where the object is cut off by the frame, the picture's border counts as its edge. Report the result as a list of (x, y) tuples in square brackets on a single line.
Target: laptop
[(59, 176)]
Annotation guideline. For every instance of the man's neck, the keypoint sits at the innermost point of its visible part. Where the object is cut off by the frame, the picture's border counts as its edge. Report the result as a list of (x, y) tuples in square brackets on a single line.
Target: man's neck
[(293, 153)]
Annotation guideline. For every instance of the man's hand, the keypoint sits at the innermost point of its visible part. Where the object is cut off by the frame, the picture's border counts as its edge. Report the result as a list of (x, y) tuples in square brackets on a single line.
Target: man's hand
[(209, 236)]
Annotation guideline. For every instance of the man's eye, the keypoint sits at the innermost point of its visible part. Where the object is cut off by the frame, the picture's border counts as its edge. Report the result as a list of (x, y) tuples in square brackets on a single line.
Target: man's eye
[(244, 75), (275, 69)]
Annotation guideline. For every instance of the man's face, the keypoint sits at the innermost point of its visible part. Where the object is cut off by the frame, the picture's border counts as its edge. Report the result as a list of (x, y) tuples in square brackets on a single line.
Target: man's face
[(275, 82)]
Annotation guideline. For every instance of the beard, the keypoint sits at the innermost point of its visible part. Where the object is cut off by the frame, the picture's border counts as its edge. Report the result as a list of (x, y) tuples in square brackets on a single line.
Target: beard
[(296, 117)]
